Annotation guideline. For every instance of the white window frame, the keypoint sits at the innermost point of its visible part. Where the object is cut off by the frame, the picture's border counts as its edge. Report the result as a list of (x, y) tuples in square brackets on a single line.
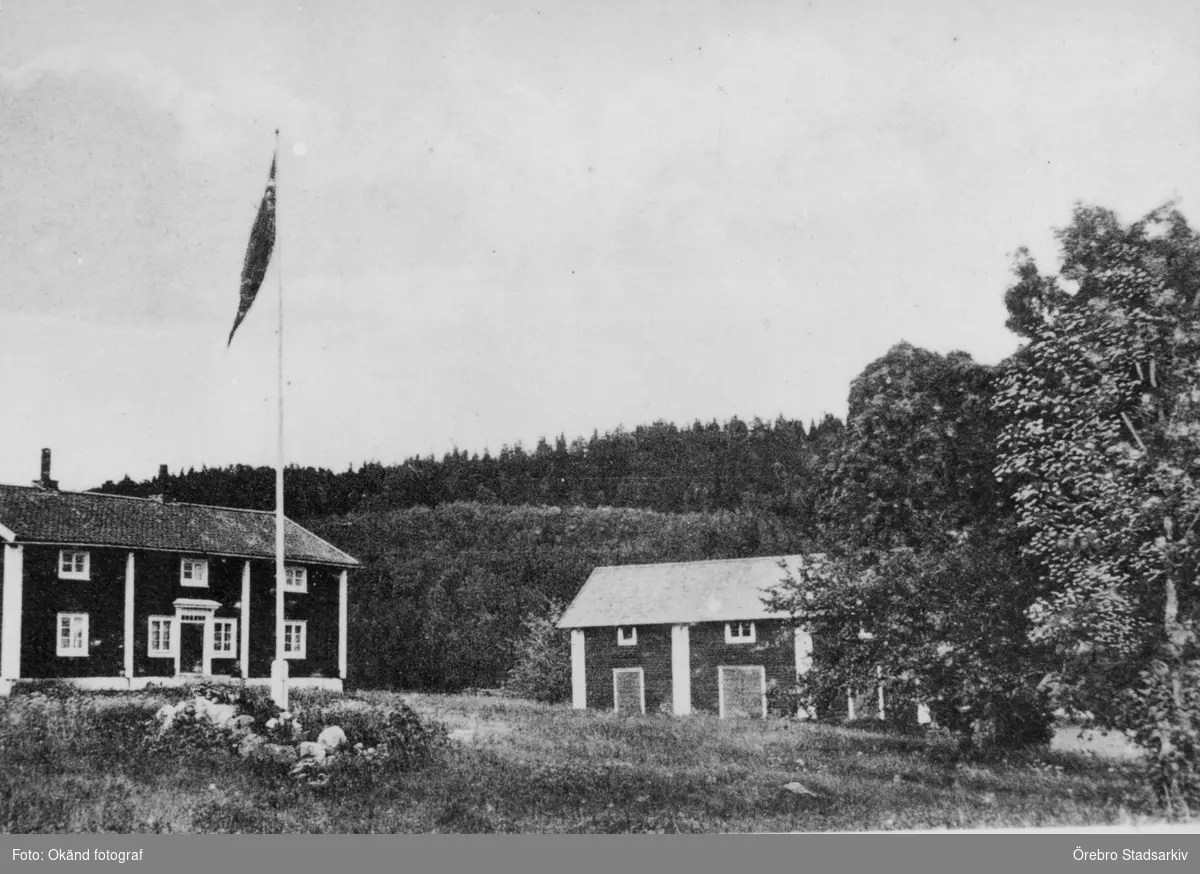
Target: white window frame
[(626, 639), (232, 651), (641, 674), (73, 574), (296, 653), (71, 651), (194, 563), (730, 637), (300, 572), (172, 639)]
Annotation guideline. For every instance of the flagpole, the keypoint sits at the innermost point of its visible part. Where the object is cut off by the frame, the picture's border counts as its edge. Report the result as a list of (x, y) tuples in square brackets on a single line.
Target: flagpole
[(280, 572)]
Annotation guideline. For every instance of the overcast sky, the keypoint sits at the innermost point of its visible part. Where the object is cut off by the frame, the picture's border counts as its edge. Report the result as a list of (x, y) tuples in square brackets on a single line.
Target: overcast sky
[(500, 220)]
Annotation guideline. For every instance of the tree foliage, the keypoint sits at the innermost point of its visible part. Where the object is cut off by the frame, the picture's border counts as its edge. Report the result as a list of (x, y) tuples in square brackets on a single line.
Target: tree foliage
[(925, 589), (1101, 452)]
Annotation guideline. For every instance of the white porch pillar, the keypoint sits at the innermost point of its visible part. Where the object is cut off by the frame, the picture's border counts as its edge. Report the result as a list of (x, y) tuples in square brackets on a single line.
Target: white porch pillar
[(681, 669), (10, 646), (343, 622), (578, 670), (244, 623), (129, 572)]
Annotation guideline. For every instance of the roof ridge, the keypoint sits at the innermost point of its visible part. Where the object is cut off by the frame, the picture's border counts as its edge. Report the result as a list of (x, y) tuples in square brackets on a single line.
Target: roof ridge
[(705, 561), (92, 493)]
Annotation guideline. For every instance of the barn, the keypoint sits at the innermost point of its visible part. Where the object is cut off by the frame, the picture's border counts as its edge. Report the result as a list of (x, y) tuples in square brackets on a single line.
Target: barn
[(111, 592), (683, 637)]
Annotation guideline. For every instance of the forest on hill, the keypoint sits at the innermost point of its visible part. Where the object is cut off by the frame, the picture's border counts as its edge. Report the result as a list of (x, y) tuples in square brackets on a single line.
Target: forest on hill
[(656, 467)]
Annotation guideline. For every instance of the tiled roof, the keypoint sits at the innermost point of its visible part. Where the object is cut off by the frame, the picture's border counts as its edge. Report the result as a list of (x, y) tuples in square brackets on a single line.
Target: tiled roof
[(695, 591), (90, 519)]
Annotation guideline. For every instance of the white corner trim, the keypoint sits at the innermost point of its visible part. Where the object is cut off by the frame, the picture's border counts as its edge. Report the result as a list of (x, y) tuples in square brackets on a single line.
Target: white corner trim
[(578, 670), (7, 534), (641, 683), (10, 633), (681, 669)]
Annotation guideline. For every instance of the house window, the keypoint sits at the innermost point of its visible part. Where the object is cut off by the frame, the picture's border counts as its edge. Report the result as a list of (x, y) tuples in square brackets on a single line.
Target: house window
[(193, 572), (294, 640), (295, 579), (627, 636), (224, 638), (72, 634), (739, 632), (162, 637), (73, 565)]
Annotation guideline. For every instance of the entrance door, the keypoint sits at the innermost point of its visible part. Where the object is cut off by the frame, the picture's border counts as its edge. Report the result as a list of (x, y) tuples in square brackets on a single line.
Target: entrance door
[(191, 647), (629, 691), (743, 690)]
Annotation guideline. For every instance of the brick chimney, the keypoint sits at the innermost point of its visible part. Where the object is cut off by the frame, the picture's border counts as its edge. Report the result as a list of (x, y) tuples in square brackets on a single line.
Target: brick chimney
[(162, 496), (45, 482)]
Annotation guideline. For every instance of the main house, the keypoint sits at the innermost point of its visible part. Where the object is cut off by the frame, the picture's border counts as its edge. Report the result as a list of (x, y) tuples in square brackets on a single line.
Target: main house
[(685, 636), (115, 592)]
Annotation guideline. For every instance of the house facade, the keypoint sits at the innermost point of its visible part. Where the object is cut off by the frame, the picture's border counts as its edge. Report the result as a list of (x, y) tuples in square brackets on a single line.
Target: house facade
[(115, 592), (683, 637)]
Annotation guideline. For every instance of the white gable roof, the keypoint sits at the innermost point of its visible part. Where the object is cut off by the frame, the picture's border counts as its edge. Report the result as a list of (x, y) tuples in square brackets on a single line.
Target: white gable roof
[(681, 592)]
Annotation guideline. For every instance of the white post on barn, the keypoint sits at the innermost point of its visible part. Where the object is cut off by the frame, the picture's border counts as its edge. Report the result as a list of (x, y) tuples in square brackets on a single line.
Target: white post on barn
[(804, 649), (129, 572), (10, 645), (578, 670), (343, 622), (879, 675), (850, 704), (681, 669)]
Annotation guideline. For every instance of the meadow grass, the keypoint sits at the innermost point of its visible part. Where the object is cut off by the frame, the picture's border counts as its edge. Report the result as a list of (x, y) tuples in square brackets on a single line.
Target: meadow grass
[(83, 764)]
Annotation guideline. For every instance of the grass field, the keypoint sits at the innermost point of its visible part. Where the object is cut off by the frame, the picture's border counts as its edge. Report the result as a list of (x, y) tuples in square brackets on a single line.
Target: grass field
[(82, 765)]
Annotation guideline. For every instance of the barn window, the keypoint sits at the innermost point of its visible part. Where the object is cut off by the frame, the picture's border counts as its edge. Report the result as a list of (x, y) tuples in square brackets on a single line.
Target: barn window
[(294, 642), (739, 632), (72, 634), (73, 565), (224, 638), (162, 637), (627, 635), (193, 572)]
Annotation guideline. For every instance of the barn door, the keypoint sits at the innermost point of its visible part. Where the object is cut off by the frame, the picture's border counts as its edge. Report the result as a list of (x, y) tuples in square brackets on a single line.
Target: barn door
[(629, 691), (743, 690)]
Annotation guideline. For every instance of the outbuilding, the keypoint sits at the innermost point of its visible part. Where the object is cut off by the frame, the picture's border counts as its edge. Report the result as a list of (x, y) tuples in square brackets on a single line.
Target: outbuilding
[(683, 637)]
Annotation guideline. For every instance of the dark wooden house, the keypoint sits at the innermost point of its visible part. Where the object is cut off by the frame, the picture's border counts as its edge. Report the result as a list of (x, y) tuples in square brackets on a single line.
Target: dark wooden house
[(683, 637), (116, 592)]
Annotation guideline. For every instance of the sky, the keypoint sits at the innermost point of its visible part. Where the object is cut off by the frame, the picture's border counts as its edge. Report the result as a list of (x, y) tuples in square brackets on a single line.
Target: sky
[(504, 220)]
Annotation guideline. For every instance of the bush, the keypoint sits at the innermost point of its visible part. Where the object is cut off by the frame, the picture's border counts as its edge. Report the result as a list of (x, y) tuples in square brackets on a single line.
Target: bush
[(395, 731), (543, 668)]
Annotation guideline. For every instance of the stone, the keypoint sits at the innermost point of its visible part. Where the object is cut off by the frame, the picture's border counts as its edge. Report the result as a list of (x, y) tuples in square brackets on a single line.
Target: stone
[(332, 737), (311, 750), (222, 714), (245, 722), (165, 712), (798, 789)]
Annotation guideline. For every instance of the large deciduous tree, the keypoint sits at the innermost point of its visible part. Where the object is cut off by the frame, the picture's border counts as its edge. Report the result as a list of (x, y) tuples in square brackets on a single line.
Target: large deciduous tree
[(925, 586), (1101, 453)]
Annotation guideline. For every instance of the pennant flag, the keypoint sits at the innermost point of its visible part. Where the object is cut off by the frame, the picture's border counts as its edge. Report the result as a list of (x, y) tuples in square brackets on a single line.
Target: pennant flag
[(258, 252)]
